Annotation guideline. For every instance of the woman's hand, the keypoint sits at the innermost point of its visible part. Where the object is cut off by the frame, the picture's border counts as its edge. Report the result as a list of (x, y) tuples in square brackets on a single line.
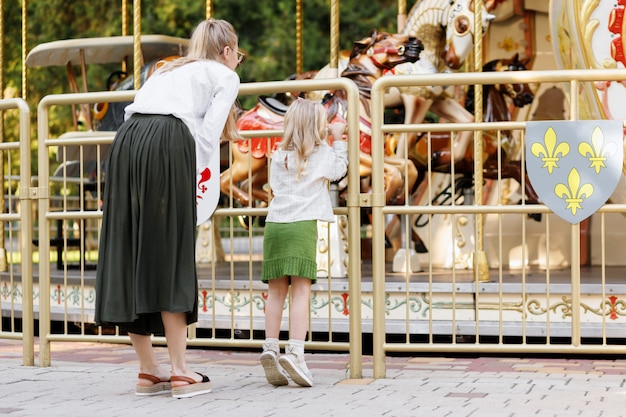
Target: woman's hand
[(337, 130)]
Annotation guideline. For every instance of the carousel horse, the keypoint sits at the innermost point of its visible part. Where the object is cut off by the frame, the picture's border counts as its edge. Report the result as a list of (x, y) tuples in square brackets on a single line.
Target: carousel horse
[(446, 28), (495, 109), (369, 58)]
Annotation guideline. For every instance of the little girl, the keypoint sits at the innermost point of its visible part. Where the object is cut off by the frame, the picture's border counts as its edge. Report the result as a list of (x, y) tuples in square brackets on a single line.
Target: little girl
[(299, 173)]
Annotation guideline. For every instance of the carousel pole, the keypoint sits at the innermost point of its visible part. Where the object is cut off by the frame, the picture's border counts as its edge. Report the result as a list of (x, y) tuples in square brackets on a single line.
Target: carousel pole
[(334, 39), (137, 43), (124, 17), (124, 26), (24, 47), (3, 253), (209, 9), (401, 15), (299, 49), (481, 267)]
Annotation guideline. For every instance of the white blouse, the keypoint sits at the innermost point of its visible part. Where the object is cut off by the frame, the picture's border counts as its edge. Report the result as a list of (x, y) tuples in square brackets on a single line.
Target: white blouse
[(308, 198), (200, 94)]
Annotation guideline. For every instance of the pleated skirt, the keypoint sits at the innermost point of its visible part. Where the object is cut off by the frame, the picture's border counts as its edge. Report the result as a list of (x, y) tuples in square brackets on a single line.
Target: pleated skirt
[(289, 249), (146, 258)]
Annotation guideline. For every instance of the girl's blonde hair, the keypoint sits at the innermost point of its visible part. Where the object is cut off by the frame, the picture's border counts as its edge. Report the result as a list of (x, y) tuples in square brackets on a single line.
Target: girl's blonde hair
[(305, 128), (208, 41)]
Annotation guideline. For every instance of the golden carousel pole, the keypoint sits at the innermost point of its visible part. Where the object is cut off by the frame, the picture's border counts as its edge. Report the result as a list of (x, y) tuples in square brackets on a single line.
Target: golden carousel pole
[(124, 26), (334, 39), (124, 17), (3, 253), (401, 15), (481, 267), (137, 43), (209, 9), (299, 50)]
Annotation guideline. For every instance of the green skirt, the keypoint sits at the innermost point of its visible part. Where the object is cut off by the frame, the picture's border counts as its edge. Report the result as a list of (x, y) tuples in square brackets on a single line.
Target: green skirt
[(146, 258), (289, 249)]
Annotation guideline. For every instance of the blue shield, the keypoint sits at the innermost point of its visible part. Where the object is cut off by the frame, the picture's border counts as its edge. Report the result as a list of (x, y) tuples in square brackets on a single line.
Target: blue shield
[(574, 166)]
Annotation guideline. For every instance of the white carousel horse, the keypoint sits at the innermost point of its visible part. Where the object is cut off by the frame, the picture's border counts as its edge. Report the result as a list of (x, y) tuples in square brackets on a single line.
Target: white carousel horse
[(446, 29)]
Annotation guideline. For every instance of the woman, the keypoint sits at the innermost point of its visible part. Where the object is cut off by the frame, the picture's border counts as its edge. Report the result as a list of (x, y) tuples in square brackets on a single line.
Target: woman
[(146, 277)]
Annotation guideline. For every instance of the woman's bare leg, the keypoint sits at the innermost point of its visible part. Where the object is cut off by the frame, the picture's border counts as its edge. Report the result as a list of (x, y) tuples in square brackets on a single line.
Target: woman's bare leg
[(176, 334), (148, 363)]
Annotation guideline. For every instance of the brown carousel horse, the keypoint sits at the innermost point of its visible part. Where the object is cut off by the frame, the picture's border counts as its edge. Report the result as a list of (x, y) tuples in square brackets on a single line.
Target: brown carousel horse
[(495, 109), (369, 58), (498, 156)]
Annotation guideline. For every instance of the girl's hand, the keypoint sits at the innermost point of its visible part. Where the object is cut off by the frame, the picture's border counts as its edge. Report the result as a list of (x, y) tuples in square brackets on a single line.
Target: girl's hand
[(337, 130)]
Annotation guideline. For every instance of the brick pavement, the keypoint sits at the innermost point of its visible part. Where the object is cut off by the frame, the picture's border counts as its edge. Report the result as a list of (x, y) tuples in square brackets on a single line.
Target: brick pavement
[(95, 380)]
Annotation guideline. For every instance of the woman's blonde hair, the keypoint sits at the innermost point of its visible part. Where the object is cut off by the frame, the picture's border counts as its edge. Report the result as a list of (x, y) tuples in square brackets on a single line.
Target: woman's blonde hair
[(305, 128), (208, 41)]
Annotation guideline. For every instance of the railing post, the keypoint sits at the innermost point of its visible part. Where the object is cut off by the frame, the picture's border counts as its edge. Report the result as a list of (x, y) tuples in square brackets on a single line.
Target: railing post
[(28, 320), (28, 331), (42, 193), (575, 245), (354, 231), (378, 233)]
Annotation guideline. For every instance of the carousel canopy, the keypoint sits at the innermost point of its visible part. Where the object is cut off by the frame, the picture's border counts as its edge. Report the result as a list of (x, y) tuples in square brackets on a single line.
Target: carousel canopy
[(103, 50)]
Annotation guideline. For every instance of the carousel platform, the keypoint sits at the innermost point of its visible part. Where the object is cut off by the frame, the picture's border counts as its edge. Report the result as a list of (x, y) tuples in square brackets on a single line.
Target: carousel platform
[(532, 302)]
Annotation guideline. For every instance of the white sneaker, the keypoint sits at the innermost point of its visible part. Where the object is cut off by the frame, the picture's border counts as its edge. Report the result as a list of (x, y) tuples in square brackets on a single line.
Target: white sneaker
[(274, 373), (297, 370)]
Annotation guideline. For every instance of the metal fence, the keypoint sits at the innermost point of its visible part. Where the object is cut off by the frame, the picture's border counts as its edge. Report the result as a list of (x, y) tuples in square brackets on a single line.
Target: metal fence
[(443, 266), (543, 305), (231, 297), (16, 294)]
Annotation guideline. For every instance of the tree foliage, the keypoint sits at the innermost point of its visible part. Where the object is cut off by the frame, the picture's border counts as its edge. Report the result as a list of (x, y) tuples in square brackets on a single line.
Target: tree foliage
[(267, 31)]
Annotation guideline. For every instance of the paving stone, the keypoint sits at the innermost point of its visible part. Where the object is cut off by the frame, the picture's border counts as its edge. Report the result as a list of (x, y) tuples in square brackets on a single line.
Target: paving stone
[(97, 380)]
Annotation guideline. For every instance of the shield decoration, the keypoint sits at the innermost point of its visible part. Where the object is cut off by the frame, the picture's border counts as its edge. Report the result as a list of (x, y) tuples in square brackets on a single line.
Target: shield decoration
[(574, 166)]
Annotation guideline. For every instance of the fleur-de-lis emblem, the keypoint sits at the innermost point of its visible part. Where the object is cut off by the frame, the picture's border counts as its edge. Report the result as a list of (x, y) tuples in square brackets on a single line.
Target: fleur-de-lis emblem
[(574, 193), (597, 152), (549, 151)]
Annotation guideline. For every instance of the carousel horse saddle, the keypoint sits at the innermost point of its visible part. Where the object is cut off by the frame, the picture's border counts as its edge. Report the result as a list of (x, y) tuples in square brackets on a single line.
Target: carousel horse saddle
[(273, 105)]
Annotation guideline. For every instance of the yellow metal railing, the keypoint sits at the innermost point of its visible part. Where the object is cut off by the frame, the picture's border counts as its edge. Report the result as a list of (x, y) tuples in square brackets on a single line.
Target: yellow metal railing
[(45, 216), (42, 193), (406, 311), (573, 79), (24, 217)]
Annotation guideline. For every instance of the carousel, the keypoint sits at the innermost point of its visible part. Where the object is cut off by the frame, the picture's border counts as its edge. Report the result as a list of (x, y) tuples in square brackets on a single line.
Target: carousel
[(441, 231)]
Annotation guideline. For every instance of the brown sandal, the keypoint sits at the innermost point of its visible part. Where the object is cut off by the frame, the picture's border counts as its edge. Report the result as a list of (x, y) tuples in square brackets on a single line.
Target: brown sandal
[(192, 388), (158, 386)]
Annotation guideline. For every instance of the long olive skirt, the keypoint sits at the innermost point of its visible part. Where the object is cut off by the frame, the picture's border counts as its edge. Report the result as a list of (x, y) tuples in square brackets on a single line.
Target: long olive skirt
[(146, 259)]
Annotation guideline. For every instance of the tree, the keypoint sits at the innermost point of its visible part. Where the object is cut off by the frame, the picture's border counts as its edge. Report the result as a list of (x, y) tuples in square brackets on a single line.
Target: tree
[(266, 31)]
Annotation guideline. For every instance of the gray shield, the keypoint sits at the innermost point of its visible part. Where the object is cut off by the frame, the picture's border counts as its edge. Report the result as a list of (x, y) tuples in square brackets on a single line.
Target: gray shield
[(574, 166)]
